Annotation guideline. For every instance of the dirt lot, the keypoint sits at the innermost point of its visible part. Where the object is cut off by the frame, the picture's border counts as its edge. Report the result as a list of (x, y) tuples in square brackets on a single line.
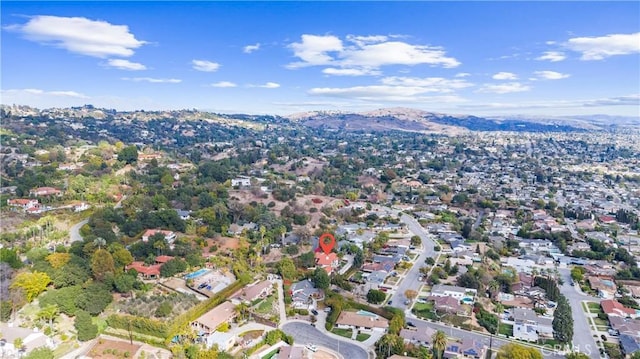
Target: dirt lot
[(113, 349)]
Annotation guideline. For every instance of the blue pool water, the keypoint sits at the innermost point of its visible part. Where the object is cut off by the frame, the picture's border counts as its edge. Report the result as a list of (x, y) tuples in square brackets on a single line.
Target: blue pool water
[(197, 273)]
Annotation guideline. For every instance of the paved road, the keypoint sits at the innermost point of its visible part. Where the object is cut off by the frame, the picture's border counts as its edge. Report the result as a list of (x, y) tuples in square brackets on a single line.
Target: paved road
[(74, 232), (582, 337), (281, 307), (410, 280), (304, 333), (495, 342)]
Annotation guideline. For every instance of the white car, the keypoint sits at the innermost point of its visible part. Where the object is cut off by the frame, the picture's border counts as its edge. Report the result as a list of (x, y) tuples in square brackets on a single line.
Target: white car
[(312, 347)]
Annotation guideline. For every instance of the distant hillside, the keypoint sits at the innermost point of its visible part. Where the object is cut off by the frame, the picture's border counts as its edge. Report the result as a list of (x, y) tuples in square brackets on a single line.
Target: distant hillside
[(405, 119)]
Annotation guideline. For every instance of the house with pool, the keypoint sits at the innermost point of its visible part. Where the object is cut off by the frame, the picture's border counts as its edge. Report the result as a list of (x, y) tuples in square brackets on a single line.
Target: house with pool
[(465, 295)]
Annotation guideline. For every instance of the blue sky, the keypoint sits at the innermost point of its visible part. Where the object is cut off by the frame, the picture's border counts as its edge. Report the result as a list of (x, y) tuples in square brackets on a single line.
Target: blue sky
[(484, 58)]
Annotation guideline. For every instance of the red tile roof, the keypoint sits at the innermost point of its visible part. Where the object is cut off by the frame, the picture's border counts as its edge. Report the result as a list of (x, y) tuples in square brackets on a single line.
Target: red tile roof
[(613, 307)]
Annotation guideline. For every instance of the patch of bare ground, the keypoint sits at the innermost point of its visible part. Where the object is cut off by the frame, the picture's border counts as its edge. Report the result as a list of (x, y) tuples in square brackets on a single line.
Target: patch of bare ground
[(302, 204), (323, 354), (10, 221), (113, 349)]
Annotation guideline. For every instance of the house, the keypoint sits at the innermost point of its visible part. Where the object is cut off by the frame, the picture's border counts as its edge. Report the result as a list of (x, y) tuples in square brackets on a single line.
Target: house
[(241, 181), (362, 321), (209, 322), (163, 259), (82, 206), (446, 304), (147, 272), (629, 344), (258, 290), (45, 192), (169, 236), (290, 352), (459, 293), (422, 336), (303, 293), (328, 262), (529, 326), (471, 348), (612, 307), (184, 215), (23, 203), (606, 288), (224, 341), (607, 219), (376, 278)]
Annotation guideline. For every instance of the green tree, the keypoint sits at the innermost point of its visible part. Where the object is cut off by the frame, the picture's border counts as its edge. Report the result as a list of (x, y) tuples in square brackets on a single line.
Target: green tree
[(128, 154), (439, 343), (321, 279), (101, 264), (124, 282), (375, 296), (31, 283), (517, 351), (563, 321), (577, 274), (577, 355), (173, 267), (84, 326), (40, 353), (287, 269), (48, 313), (122, 257), (10, 256)]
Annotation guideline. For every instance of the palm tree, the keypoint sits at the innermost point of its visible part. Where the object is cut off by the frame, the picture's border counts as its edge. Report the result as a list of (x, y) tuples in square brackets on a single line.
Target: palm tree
[(48, 313), (99, 242), (439, 344), (494, 286), (160, 246), (241, 310)]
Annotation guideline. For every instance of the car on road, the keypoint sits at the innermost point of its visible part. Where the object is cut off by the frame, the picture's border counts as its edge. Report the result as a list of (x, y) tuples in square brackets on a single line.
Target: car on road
[(410, 324), (312, 347), (314, 312), (390, 302)]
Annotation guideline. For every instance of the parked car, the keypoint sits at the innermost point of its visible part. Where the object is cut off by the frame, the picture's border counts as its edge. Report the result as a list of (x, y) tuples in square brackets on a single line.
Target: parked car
[(314, 312), (410, 324), (312, 347)]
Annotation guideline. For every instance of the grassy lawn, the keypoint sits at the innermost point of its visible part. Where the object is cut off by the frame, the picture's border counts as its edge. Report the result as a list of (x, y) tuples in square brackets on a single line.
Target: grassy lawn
[(506, 329), (550, 342), (594, 307), (600, 322), (266, 305), (272, 354), (342, 332), (424, 310), (63, 349), (362, 337)]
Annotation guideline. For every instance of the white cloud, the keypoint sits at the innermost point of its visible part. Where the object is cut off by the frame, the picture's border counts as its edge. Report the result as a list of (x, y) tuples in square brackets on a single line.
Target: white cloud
[(204, 65), (314, 50), (428, 84), (503, 88), (629, 100), (125, 65), (553, 56), (599, 48), (268, 85), (38, 92), (223, 84), (152, 80), (251, 48), (80, 35), (399, 89), (350, 71), (550, 75), (505, 76), (407, 94), (363, 55), (462, 74)]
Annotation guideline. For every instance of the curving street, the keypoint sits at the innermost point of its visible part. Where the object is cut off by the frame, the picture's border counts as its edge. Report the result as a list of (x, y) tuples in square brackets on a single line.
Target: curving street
[(305, 333), (410, 280)]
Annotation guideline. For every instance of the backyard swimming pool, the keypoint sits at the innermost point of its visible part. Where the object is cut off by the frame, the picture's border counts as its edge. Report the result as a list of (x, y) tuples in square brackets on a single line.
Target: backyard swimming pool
[(197, 273)]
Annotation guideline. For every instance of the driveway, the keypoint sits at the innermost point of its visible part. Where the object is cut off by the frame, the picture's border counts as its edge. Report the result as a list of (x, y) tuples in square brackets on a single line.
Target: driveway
[(410, 280), (582, 337), (74, 232), (304, 333)]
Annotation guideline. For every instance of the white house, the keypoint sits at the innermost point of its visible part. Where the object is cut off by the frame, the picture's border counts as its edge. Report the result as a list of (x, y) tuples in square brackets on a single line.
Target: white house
[(459, 293), (363, 321), (241, 181), (529, 326)]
